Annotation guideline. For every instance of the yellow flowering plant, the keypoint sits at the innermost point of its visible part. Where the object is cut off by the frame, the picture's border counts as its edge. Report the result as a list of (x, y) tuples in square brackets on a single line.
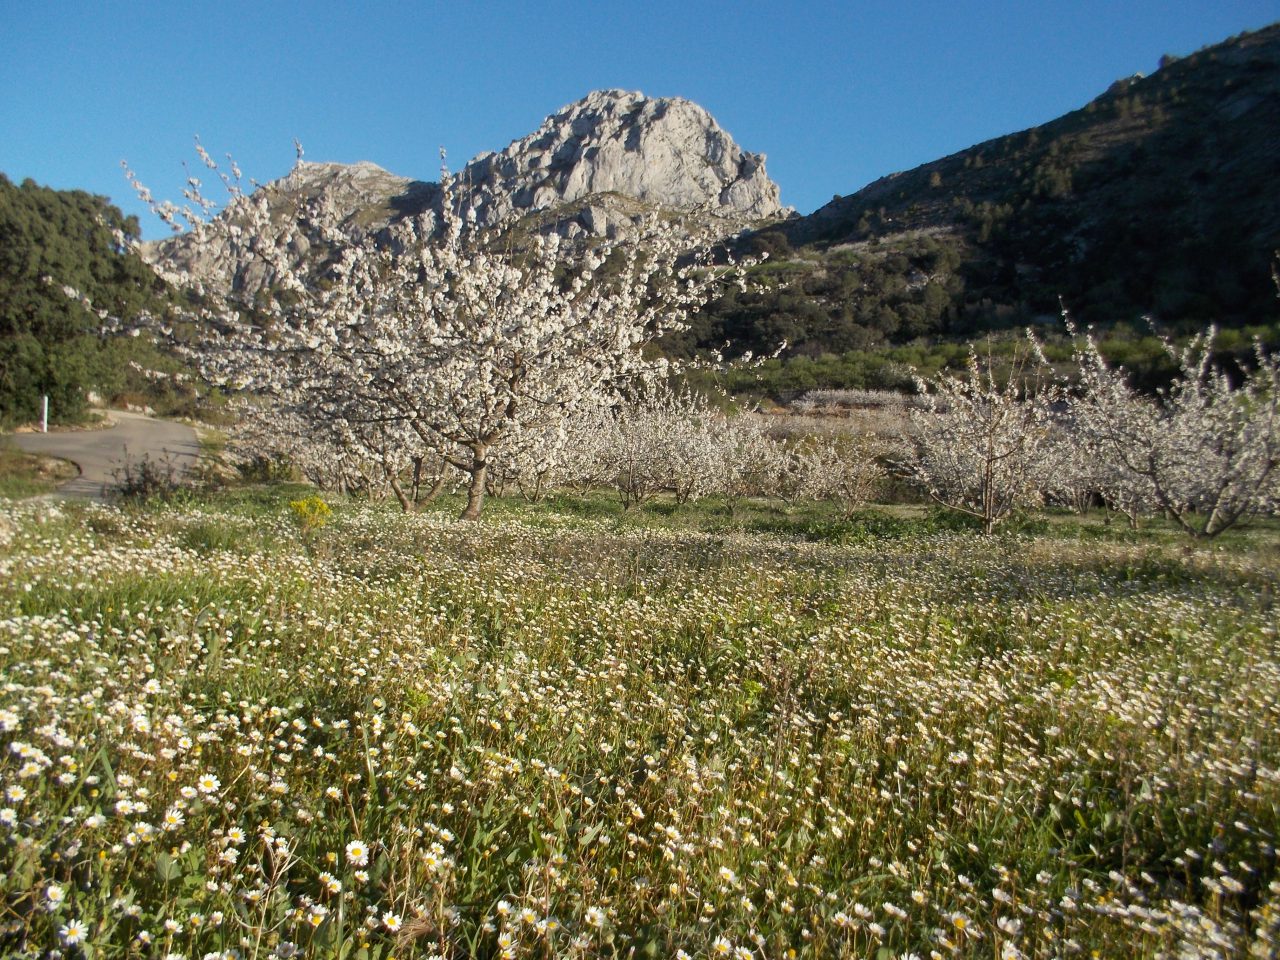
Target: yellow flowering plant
[(311, 513)]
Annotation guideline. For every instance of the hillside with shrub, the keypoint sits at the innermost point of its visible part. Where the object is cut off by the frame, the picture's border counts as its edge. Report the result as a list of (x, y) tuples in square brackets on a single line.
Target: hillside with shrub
[(1160, 199), (72, 290)]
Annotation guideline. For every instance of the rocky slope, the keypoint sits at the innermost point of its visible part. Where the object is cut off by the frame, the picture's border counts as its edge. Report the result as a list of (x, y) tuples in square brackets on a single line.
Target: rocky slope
[(366, 198), (587, 170)]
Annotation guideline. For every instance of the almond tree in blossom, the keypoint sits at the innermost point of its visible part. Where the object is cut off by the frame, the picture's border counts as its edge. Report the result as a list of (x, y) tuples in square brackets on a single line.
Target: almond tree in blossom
[(976, 445), (1204, 450), (450, 333)]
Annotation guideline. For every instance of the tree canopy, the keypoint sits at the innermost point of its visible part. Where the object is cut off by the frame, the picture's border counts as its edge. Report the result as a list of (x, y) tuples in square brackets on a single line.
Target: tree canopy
[(66, 266)]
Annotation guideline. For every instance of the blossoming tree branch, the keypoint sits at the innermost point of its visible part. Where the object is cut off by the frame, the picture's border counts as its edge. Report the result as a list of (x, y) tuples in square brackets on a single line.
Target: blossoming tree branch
[(453, 341)]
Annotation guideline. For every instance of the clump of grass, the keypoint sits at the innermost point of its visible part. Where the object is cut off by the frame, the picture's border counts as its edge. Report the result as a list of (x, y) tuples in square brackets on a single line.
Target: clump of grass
[(28, 475)]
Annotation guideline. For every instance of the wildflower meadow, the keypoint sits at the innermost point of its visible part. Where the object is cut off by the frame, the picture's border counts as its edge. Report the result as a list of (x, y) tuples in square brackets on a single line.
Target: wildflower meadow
[(558, 733)]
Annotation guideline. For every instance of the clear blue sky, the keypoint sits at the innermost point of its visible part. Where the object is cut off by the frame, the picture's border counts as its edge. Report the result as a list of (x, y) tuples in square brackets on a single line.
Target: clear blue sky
[(836, 94)]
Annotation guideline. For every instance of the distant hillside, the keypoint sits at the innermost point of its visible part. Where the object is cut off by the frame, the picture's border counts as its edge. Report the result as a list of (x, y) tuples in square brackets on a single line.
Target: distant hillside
[(1161, 197)]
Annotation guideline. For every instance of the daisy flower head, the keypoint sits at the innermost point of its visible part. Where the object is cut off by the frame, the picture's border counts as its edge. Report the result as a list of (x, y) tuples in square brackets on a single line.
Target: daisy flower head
[(208, 783), (72, 932), (357, 853)]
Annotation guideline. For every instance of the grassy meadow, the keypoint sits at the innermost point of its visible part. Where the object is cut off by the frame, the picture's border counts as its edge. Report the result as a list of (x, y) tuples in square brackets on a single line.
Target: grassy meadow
[(564, 731)]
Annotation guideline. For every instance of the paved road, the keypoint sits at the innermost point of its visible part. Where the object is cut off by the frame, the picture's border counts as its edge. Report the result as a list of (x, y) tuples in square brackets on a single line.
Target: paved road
[(99, 453)]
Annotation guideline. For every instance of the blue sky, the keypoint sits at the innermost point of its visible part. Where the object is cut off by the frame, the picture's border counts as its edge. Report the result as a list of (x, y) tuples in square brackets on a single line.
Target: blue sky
[(836, 94)]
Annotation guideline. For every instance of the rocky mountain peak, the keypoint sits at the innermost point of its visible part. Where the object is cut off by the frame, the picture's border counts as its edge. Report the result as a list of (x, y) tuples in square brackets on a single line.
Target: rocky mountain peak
[(661, 151), (590, 168), (365, 194), (310, 179)]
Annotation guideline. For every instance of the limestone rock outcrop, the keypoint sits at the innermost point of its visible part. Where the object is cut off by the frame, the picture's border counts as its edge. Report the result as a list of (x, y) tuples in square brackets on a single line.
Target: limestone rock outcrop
[(665, 152), (587, 171)]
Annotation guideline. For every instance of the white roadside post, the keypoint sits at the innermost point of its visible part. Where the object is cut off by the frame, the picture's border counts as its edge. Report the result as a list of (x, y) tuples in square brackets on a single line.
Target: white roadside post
[(44, 413)]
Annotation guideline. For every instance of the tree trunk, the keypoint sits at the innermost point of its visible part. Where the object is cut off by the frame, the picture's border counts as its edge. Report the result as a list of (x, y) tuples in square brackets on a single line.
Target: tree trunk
[(417, 477), (406, 504), (475, 492), (437, 487)]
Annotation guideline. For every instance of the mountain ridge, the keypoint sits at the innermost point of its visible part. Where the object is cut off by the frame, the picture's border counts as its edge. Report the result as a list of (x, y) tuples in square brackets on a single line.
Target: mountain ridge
[(1160, 197), (589, 170)]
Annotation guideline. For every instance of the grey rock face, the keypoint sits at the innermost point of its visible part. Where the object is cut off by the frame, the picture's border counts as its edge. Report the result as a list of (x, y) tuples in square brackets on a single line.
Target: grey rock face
[(661, 151), (595, 220)]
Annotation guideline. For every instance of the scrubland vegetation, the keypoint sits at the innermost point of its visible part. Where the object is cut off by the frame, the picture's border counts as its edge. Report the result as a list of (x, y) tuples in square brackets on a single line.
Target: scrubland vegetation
[(237, 727), (68, 278)]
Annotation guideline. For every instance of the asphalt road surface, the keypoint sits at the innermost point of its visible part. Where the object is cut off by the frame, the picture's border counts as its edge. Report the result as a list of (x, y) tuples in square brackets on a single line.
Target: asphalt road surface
[(100, 453)]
